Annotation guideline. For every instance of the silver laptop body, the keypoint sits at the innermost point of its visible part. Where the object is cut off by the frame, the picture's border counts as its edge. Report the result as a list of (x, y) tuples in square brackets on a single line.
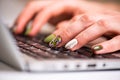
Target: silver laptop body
[(10, 54)]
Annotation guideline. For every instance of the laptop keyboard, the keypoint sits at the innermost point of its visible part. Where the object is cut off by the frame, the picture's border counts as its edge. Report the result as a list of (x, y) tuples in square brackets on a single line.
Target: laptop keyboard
[(35, 47)]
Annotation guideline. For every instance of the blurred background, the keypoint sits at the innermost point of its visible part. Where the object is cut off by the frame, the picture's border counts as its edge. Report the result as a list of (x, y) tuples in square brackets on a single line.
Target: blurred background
[(9, 10)]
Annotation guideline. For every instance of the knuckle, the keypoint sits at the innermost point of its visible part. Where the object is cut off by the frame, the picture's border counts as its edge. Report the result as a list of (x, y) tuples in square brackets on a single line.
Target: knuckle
[(76, 18), (61, 25), (85, 36), (103, 23), (86, 18), (83, 39), (68, 32), (64, 35)]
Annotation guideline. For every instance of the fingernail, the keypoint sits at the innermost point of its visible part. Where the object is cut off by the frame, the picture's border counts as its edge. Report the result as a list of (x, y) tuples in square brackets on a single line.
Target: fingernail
[(71, 44), (27, 31), (56, 41), (49, 38), (97, 47)]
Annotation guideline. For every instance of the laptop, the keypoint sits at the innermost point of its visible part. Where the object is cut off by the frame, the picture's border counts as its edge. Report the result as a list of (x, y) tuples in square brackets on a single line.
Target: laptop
[(32, 54)]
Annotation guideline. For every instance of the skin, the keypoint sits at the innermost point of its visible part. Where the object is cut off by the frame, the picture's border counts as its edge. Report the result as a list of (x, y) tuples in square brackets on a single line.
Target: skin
[(90, 21), (97, 27)]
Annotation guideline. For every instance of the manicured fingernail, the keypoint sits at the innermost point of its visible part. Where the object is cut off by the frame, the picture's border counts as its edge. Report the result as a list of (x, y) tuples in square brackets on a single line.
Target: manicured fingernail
[(71, 44), (27, 30), (97, 47), (56, 41), (49, 38)]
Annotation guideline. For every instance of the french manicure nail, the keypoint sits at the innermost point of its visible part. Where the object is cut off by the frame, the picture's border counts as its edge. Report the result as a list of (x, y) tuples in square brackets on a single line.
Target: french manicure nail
[(71, 44), (49, 38), (97, 47), (56, 41)]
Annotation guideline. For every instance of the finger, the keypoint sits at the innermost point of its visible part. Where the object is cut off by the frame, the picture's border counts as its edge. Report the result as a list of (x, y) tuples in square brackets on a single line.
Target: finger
[(65, 24), (46, 14), (96, 41), (62, 25), (75, 26), (29, 11), (107, 46), (72, 28), (89, 34)]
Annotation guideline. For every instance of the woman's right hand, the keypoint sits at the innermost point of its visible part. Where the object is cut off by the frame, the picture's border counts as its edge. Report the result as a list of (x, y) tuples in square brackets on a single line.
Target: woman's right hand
[(44, 10), (85, 28)]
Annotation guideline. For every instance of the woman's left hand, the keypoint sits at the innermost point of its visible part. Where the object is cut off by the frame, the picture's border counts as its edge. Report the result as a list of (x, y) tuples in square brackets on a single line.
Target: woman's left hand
[(87, 27)]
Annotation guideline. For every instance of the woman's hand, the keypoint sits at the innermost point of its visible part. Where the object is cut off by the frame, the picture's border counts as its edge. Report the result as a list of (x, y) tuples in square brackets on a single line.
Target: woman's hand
[(87, 27), (42, 11), (91, 22)]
